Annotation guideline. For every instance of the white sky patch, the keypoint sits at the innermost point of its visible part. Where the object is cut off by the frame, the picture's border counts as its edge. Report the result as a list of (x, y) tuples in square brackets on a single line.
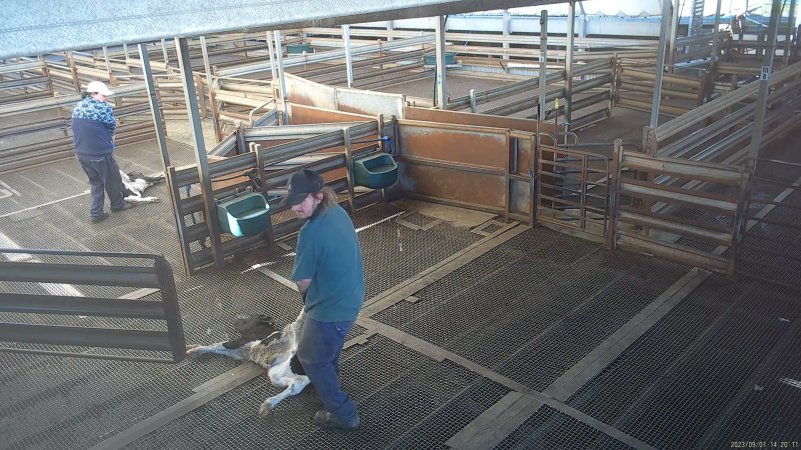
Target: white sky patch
[(791, 382)]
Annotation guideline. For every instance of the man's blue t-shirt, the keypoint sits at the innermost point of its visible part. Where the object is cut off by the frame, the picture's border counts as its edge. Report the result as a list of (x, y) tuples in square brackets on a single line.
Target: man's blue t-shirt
[(328, 253)]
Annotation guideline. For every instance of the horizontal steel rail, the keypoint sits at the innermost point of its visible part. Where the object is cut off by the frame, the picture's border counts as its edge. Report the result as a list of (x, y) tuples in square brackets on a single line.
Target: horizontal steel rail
[(677, 125), (326, 56), (84, 306), (7, 68), (491, 95)]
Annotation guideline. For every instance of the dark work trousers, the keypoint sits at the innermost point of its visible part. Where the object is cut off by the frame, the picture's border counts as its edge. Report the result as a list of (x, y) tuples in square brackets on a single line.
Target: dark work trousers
[(104, 174), (318, 351)]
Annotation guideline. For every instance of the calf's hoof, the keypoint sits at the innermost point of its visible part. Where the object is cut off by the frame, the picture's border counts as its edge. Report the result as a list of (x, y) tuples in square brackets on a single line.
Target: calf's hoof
[(191, 350), (265, 409)]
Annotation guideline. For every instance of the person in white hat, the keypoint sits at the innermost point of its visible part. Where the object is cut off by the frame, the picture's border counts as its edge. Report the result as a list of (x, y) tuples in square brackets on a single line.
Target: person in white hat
[(93, 127)]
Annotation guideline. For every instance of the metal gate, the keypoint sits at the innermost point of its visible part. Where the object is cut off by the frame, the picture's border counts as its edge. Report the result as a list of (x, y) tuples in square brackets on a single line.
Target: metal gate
[(770, 247), (42, 312), (572, 189)]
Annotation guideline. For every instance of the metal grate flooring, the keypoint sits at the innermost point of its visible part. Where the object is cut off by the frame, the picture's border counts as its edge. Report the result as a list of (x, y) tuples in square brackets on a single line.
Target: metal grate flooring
[(722, 366)]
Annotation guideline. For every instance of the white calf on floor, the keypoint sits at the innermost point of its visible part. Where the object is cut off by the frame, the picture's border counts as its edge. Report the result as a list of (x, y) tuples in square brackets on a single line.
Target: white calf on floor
[(262, 343), (134, 185)]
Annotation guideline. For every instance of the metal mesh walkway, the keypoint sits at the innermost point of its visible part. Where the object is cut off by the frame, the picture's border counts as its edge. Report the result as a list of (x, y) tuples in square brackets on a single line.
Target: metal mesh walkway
[(723, 365)]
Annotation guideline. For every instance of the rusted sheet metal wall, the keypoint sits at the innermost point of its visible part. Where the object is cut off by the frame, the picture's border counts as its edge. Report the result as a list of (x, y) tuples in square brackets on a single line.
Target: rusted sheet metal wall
[(305, 92), (371, 103), (481, 120), (452, 185), (455, 164), (522, 166)]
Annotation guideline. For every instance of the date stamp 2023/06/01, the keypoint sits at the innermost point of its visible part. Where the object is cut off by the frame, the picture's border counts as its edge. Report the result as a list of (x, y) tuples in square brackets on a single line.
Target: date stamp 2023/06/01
[(764, 444)]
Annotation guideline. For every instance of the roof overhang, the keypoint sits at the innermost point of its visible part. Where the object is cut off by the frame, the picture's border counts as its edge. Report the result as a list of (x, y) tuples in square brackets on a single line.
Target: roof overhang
[(35, 27)]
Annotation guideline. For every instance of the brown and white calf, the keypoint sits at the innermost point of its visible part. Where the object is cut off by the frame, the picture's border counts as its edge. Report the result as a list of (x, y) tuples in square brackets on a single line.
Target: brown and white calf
[(263, 343)]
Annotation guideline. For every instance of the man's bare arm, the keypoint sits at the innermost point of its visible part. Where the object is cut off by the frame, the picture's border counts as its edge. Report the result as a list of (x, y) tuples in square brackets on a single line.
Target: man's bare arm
[(303, 286)]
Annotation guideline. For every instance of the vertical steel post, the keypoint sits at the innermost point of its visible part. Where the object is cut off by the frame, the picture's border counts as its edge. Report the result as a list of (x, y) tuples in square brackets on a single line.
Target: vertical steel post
[(390, 27), (348, 56), (279, 52), (73, 70), (789, 32), (614, 194), (660, 66), (715, 43), (155, 108), (764, 84), (571, 19), (272, 55), (543, 66), (108, 63), (506, 26), (442, 90), (349, 169), (164, 51), (213, 107), (125, 50), (673, 35), (472, 100), (209, 209)]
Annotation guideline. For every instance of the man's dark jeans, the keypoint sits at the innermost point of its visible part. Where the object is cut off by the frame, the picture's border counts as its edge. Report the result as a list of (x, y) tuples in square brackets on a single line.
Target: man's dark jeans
[(104, 174), (318, 351)]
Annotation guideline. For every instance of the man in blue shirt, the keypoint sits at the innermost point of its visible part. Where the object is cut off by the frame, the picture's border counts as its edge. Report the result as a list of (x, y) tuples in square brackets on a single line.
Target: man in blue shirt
[(329, 274), (93, 127)]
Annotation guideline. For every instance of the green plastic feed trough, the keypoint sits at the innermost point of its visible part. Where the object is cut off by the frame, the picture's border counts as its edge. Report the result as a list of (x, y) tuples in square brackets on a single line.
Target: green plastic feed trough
[(297, 49), (431, 59), (376, 171), (246, 214)]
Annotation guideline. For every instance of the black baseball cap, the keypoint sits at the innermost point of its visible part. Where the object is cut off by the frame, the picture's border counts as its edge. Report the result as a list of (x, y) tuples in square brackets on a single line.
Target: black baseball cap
[(302, 184)]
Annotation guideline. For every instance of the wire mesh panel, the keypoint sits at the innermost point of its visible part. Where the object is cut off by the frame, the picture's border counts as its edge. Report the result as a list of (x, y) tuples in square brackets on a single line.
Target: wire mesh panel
[(696, 367), (83, 402), (548, 428), (770, 249), (535, 305), (405, 401), (391, 252)]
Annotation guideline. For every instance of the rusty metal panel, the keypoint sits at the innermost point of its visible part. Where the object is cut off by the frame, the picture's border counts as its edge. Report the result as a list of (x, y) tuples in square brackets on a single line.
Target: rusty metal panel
[(463, 118), (520, 197), (482, 147), (525, 156), (451, 184), (306, 92), (370, 103)]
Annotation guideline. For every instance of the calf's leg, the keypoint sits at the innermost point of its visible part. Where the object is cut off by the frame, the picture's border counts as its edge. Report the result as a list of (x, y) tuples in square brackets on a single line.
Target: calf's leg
[(218, 348), (281, 376)]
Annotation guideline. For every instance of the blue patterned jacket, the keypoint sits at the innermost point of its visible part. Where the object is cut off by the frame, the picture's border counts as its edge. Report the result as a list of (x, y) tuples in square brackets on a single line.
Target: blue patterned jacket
[(93, 127)]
